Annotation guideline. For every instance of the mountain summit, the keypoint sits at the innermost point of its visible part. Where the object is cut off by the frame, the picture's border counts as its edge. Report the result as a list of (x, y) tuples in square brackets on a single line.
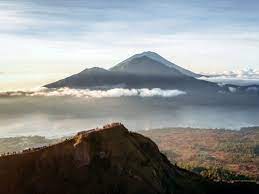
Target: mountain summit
[(155, 57), (103, 160), (144, 65)]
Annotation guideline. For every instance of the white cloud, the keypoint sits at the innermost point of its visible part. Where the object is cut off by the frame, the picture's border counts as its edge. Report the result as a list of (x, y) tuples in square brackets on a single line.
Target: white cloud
[(86, 93), (242, 77), (248, 73), (158, 92), (231, 89)]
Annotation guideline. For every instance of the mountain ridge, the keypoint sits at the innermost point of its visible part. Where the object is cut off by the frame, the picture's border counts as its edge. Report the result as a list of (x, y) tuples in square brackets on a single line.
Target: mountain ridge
[(103, 160)]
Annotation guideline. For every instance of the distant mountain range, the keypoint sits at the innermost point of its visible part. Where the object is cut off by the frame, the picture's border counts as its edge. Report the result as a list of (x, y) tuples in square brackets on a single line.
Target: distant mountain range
[(147, 70)]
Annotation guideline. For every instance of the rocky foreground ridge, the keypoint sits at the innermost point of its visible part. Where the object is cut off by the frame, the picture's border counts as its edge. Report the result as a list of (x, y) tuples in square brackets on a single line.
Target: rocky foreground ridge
[(100, 161)]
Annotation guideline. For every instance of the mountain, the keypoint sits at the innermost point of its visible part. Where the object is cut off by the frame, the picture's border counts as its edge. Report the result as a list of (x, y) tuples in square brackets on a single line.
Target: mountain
[(145, 70), (104, 79), (104, 160), (149, 70), (156, 57)]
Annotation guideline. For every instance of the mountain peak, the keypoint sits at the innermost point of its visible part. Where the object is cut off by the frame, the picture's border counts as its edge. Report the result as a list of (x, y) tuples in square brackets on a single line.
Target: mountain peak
[(145, 65), (156, 57), (94, 69), (148, 53)]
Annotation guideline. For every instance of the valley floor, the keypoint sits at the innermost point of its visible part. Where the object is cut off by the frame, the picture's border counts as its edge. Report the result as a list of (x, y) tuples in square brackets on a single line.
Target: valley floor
[(215, 153)]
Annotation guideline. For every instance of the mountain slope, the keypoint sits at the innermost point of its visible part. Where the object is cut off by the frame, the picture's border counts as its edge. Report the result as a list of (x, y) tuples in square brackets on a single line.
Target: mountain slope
[(108, 160), (104, 79), (90, 78), (158, 58), (146, 66)]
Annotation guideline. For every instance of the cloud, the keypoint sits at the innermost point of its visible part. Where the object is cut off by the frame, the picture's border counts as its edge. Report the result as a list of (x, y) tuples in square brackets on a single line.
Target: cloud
[(248, 73), (232, 90), (86, 93), (242, 77)]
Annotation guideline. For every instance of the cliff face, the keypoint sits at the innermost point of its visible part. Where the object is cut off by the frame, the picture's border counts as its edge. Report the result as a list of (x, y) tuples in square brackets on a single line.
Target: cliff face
[(109, 160)]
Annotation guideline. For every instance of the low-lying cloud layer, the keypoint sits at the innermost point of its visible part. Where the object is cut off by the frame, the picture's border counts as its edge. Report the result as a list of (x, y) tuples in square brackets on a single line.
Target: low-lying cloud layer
[(243, 73), (86, 93), (242, 77)]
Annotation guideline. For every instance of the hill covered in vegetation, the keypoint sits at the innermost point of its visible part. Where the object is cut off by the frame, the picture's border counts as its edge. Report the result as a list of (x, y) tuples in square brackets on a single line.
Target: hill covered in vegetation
[(218, 154), (103, 160)]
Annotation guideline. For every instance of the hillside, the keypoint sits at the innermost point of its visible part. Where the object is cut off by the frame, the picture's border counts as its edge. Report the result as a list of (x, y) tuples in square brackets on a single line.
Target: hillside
[(106, 160), (203, 150)]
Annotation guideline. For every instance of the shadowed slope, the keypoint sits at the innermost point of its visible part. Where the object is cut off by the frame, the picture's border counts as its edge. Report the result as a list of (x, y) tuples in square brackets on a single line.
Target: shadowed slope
[(108, 160)]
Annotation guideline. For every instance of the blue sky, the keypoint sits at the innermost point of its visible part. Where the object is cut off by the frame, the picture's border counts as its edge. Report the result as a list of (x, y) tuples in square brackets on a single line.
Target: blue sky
[(42, 41)]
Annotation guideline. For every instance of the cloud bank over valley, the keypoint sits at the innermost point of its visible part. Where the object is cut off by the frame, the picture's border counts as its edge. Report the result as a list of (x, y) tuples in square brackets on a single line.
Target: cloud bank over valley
[(86, 93)]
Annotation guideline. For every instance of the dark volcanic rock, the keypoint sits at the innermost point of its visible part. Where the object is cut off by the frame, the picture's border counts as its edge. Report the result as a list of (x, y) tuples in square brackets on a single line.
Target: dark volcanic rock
[(109, 160)]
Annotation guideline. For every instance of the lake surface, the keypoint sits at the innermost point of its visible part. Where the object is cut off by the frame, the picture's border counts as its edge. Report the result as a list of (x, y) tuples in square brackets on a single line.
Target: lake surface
[(59, 116)]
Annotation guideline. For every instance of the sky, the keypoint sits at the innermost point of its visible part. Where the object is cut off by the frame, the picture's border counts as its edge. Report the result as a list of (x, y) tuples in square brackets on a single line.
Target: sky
[(43, 41)]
